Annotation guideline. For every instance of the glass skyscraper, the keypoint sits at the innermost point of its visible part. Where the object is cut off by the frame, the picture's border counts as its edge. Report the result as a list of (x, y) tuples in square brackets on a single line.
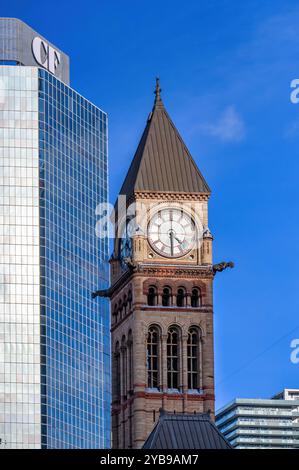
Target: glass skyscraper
[(54, 339)]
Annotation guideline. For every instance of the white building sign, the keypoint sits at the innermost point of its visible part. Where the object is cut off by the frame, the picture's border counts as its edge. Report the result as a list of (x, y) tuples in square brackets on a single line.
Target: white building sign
[(45, 55)]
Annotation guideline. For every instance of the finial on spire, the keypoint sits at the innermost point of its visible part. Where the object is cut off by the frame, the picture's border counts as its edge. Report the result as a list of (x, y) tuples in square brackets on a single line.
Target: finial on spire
[(158, 89)]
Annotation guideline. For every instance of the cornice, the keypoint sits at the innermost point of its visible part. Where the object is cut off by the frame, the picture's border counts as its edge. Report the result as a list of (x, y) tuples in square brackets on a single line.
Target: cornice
[(163, 270), (170, 196), (160, 270), (174, 309)]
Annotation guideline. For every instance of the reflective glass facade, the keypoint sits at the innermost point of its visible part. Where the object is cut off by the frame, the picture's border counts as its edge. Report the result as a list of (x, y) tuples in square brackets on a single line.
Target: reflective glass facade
[(20, 419), (54, 339)]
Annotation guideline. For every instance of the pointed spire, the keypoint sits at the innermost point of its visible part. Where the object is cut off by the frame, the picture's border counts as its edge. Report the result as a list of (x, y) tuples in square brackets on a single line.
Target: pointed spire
[(162, 162), (157, 90)]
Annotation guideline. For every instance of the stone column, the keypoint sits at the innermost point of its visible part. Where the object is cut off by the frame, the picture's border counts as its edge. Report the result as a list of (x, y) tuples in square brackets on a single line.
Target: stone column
[(159, 297), (208, 367), (140, 382)]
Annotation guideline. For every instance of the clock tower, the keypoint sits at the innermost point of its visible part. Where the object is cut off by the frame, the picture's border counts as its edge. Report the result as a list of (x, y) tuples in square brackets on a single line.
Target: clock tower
[(161, 286)]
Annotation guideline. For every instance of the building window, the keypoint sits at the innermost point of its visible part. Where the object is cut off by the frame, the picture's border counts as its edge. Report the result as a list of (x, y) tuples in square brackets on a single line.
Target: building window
[(152, 296), (115, 315), (124, 366), (181, 297), (166, 297), (125, 305), (193, 359), (153, 357), (195, 298), (173, 358), (130, 300), (130, 359), (117, 372)]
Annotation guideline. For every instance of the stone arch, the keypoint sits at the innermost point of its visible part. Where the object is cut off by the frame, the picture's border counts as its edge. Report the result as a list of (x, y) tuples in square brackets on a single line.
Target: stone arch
[(152, 295), (181, 296), (153, 348), (194, 358), (166, 296)]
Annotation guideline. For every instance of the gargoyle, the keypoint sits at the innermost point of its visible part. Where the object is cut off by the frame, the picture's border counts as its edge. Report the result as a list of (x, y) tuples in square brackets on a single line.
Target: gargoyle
[(101, 293), (130, 263), (217, 268)]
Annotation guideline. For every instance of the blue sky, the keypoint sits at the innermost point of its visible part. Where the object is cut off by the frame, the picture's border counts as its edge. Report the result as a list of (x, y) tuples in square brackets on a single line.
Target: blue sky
[(225, 70)]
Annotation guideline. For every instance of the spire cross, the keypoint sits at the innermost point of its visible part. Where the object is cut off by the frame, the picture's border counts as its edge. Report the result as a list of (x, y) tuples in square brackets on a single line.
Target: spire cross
[(158, 89)]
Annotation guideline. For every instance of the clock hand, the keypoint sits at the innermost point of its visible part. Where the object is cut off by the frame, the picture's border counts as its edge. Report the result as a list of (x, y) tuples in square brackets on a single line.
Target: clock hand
[(180, 241), (171, 242)]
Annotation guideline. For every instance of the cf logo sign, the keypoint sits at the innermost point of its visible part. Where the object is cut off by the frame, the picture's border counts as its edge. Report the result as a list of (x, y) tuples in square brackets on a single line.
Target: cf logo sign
[(45, 55)]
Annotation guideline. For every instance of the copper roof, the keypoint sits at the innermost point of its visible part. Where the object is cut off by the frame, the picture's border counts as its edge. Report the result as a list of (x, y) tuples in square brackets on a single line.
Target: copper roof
[(162, 162), (183, 431)]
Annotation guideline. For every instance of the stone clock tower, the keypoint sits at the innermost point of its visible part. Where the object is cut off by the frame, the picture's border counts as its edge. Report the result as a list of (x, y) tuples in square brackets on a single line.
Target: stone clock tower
[(161, 287)]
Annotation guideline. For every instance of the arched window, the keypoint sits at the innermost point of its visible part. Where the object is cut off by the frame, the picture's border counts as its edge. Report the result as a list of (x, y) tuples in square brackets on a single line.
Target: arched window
[(173, 358), (181, 297), (195, 297), (130, 360), (125, 306), (124, 365), (152, 296), (193, 359), (166, 297), (115, 315), (116, 389), (153, 357), (117, 372), (120, 310), (130, 300)]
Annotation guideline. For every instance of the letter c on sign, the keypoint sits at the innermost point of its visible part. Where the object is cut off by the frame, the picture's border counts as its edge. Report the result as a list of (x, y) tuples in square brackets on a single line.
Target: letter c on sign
[(38, 45)]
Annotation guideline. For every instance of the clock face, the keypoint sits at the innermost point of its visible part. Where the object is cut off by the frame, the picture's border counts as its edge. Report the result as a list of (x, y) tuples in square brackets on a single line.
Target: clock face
[(125, 245), (172, 232)]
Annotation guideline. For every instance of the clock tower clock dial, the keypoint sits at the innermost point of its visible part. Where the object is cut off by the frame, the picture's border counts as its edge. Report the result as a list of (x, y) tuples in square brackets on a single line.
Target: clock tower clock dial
[(172, 233)]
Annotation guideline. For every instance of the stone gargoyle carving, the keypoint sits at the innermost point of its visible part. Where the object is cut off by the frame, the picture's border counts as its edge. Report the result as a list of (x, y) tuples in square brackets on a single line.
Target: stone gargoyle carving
[(101, 293), (129, 262), (218, 268)]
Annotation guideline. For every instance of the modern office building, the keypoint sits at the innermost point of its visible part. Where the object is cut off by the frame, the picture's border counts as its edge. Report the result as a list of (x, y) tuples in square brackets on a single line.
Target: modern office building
[(54, 339), (258, 423)]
